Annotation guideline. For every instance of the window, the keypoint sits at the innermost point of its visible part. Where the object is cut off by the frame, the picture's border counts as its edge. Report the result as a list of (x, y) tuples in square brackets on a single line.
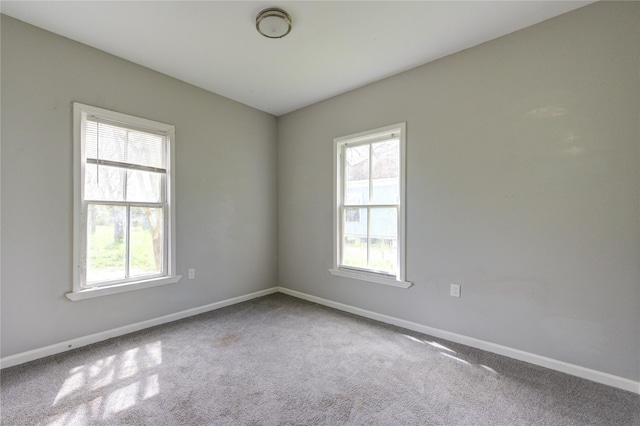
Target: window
[(123, 211), (369, 217)]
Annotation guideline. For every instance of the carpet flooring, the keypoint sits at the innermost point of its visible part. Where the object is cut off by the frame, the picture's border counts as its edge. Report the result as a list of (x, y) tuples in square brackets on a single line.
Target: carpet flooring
[(278, 360)]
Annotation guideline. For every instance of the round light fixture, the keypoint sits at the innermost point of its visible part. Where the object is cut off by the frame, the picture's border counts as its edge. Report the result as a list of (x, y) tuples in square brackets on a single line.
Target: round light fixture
[(273, 23)]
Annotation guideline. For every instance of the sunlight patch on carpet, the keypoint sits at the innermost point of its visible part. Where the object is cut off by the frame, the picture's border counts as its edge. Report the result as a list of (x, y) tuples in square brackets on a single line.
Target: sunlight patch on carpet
[(125, 379)]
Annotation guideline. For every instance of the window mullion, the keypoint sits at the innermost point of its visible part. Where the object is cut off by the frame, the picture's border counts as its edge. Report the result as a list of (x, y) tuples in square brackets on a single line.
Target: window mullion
[(369, 208), (165, 238), (368, 237), (126, 159), (343, 184), (399, 238), (84, 240), (341, 233), (127, 250), (370, 174), (127, 243), (163, 188)]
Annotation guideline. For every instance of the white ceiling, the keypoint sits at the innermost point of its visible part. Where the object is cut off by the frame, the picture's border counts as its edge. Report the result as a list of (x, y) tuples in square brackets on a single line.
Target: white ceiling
[(334, 46)]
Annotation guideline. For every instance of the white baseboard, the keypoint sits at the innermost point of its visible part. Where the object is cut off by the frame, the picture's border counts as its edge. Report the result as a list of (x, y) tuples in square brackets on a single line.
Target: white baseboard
[(574, 370), (56, 348)]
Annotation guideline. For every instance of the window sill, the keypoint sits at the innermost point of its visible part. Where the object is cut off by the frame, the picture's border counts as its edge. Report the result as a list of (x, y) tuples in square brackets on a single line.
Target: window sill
[(371, 277), (121, 288)]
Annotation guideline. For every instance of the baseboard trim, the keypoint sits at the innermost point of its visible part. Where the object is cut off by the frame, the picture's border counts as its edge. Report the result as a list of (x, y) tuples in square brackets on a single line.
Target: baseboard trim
[(56, 348), (564, 367)]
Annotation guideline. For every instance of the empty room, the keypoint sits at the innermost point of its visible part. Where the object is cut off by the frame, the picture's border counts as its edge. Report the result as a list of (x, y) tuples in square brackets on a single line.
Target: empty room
[(331, 212)]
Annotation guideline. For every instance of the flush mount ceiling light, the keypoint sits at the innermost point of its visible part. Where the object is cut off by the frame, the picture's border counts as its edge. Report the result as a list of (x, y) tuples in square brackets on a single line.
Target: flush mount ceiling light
[(273, 23)]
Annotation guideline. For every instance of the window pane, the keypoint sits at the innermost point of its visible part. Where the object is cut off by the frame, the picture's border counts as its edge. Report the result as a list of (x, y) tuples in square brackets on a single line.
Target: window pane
[(383, 254), (103, 182), (352, 216), (146, 251), (106, 240), (355, 195), (356, 173), (385, 164), (144, 186), (354, 246)]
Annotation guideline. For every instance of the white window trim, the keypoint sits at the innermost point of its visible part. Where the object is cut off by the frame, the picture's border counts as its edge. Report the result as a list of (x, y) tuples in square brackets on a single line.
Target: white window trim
[(365, 275), (121, 288), (79, 223)]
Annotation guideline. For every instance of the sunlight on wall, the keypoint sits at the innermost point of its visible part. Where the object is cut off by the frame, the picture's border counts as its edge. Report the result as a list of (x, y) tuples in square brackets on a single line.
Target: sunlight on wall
[(118, 382)]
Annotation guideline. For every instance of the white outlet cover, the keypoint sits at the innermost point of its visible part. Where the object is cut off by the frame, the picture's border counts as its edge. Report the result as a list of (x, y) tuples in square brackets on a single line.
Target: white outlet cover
[(455, 290)]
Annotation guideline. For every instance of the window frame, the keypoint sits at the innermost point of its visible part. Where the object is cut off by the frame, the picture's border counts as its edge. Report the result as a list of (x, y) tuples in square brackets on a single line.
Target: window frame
[(365, 274), (80, 290)]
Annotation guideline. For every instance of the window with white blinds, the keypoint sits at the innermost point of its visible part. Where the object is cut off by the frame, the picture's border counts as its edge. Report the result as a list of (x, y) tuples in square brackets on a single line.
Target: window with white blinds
[(124, 233), (123, 164)]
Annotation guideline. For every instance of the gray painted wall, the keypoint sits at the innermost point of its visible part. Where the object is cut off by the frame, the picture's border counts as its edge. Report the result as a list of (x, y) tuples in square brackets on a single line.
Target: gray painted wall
[(523, 185), (225, 188)]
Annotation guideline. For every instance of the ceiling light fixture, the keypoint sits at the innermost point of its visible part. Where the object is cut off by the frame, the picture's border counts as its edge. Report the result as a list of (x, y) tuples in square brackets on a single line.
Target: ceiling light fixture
[(273, 23)]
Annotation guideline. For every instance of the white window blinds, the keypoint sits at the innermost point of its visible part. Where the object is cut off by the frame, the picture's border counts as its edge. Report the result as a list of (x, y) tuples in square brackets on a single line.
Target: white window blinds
[(123, 146)]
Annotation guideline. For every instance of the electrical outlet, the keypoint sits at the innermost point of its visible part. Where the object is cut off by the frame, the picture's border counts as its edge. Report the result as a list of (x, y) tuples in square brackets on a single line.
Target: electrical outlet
[(455, 290), (192, 274)]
